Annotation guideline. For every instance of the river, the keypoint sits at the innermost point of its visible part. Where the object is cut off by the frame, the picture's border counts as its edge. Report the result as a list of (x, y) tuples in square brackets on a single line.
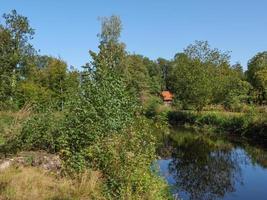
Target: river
[(201, 166)]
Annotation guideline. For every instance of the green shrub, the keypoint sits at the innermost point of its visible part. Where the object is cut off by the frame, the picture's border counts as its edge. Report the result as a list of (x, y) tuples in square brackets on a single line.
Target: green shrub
[(101, 130), (124, 159), (152, 106), (41, 131), (103, 108), (210, 119)]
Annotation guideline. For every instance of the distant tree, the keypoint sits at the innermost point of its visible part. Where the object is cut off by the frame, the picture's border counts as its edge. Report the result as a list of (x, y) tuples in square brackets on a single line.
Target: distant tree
[(143, 75), (203, 75), (51, 76), (164, 66), (230, 87), (257, 76), (137, 74), (191, 81), (201, 50), (239, 70)]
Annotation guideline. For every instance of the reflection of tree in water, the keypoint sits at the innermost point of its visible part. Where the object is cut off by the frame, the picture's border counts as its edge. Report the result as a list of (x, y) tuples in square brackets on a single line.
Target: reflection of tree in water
[(204, 171)]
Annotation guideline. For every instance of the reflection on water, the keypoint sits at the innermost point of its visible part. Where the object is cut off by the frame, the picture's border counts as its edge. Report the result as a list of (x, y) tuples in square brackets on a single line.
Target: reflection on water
[(201, 167)]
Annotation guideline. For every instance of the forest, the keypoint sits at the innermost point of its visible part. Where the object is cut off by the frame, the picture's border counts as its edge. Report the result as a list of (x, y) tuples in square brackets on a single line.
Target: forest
[(104, 121)]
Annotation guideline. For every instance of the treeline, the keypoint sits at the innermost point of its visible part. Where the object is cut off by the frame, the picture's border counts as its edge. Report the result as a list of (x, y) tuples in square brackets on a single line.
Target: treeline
[(198, 76), (45, 81), (27, 77), (201, 76)]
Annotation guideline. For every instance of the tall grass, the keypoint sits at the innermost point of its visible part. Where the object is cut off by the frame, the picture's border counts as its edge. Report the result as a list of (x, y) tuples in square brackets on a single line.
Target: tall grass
[(33, 183)]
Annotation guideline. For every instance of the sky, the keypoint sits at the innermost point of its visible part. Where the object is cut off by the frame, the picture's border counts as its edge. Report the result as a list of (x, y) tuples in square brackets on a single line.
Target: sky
[(154, 28)]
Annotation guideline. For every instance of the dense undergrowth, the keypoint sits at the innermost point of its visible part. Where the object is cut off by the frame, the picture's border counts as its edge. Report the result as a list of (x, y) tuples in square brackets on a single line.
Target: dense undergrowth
[(104, 130)]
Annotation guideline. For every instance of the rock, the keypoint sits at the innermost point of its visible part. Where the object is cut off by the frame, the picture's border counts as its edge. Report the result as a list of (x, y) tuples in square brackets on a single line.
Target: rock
[(5, 164), (40, 159)]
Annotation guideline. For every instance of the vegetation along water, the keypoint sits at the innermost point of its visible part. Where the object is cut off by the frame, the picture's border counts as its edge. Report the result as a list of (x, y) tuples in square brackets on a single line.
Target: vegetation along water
[(109, 130)]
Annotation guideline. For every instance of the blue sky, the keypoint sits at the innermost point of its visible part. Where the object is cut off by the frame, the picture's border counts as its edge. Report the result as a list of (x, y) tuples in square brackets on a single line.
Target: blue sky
[(154, 28)]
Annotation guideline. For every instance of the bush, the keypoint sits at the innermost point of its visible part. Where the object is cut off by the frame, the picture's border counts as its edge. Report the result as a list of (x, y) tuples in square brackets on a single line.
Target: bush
[(151, 106), (124, 159), (103, 131), (41, 132)]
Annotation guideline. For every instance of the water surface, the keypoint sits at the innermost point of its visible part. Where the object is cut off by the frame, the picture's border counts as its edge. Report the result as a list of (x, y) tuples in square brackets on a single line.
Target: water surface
[(202, 167)]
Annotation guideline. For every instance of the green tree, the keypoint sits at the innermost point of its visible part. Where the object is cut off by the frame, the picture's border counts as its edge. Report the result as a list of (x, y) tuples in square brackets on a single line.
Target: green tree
[(51, 77), (164, 73), (191, 82), (256, 75), (111, 52), (230, 88), (15, 51), (136, 74), (201, 50)]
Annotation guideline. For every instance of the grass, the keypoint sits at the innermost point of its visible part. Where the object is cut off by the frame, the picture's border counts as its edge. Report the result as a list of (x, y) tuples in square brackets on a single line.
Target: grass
[(10, 122), (31, 183)]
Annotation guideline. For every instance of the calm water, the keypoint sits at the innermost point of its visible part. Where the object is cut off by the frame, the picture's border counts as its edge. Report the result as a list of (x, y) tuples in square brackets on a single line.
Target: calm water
[(205, 167)]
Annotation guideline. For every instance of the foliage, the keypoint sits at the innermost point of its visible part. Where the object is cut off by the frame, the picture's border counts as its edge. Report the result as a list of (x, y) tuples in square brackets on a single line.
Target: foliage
[(15, 51), (190, 81), (257, 75), (245, 124), (111, 28), (137, 74), (32, 93), (236, 94), (41, 132), (103, 108), (201, 76), (151, 107), (124, 159)]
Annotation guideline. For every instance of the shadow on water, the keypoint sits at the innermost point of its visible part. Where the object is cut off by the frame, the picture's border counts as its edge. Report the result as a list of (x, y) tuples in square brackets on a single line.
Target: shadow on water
[(204, 167)]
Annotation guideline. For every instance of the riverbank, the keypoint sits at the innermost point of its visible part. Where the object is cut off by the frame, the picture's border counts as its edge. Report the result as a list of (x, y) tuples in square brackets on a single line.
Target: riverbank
[(250, 124), (121, 159)]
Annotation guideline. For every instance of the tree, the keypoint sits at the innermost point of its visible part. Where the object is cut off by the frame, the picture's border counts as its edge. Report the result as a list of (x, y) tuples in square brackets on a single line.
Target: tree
[(51, 76), (104, 105), (20, 34), (6, 68), (202, 51), (261, 82), (111, 52), (15, 52), (164, 66), (191, 81), (136, 74), (230, 87), (256, 75)]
